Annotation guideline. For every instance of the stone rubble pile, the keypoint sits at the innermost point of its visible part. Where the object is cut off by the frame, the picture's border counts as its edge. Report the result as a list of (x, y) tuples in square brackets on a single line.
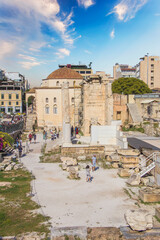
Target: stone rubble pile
[(70, 165), (9, 164), (125, 160)]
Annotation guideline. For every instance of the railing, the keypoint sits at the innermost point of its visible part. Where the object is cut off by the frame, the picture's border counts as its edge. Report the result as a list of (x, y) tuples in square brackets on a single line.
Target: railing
[(13, 127), (145, 169)]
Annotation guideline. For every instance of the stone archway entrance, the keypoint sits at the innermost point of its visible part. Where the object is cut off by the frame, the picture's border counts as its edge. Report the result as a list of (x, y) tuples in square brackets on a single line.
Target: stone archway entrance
[(31, 104)]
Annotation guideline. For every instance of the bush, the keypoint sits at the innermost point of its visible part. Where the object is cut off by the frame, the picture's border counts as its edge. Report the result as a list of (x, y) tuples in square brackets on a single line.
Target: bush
[(5, 140)]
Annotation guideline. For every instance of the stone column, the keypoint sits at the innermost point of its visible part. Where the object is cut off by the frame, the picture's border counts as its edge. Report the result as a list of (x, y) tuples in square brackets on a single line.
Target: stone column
[(66, 114), (109, 104)]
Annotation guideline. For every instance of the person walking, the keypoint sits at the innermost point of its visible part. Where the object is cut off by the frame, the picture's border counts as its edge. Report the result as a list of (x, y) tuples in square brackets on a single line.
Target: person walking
[(72, 130), (17, 142), (88, 175), (35, 137), (94, 159), (30, 138), (20, 150), (44, 134)]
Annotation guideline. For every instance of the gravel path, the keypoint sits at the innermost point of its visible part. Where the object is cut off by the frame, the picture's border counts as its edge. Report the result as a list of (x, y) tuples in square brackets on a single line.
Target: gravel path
[(76, 202)]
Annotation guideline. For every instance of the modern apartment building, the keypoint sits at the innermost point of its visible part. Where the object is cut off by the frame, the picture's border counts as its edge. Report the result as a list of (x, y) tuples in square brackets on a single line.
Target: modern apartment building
[(148, 70), (19, 80), (10, 97), (123, 70), (84, 70)]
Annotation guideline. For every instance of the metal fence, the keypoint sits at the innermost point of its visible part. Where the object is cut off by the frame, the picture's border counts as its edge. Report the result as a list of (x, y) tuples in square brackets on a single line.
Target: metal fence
[(12, 127)]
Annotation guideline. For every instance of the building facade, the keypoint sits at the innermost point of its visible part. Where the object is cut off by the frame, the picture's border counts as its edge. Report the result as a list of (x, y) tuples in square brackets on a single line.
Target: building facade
[(48, 98), (148, 70), (123, 70), (10, 97), (84, 70)]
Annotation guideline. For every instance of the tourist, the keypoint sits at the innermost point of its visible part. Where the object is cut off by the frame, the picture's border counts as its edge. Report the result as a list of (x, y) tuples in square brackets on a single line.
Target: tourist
[(72, 130), (17, 142), (94, 159), (77, 130), (52, 136), (44, 134), (30, 137), (88, 175), (20, 141), (58, 133), (20, 151), (34, 136)]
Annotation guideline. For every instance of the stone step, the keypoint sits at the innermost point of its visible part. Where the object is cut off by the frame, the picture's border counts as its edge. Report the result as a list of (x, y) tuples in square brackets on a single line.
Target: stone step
[(79, 231)]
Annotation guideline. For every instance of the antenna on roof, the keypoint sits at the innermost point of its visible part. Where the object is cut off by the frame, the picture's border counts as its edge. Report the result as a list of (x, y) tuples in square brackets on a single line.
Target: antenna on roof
[(90, 64)]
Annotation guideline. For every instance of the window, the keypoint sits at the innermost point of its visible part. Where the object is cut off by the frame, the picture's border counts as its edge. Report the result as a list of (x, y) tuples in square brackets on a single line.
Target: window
[(16, 103), (9, 103), (2, 96), (152, 65), (10, 96), (152, 78), (55, 109), (10, 109), (57, 83), (152, 71), (72, 100), (47, 109), (17, 96), (82, 72), (2, 103), (46, 100), (88, 72), (152, 84), (54, 99), (152, 59)]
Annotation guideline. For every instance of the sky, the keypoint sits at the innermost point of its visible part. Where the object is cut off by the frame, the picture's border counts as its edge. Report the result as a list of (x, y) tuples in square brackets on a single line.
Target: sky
[(38, 35)]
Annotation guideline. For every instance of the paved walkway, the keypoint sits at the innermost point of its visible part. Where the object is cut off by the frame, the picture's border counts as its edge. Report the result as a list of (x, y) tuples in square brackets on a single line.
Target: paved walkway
[(76, 202)]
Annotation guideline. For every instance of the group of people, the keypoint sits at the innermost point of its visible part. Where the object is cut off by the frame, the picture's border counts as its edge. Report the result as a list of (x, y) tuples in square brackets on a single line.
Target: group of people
[(54, 133), (32, 136), (74, 131), (88, 169)]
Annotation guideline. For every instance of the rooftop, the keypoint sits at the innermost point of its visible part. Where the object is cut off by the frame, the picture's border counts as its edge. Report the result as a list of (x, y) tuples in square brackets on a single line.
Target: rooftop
[(65, 73)]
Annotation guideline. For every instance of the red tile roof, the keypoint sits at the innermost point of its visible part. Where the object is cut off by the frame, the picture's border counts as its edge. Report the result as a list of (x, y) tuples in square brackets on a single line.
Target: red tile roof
[(65, 73)]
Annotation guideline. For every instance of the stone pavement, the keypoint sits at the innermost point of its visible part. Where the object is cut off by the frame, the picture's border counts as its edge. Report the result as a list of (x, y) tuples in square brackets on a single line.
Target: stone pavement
[(76, 202)]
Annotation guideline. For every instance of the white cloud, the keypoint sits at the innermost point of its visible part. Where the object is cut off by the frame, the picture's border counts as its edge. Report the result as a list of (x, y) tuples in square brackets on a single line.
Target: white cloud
[(29, 65), (157, 14), (86, 51), (32, 61), (6, 48), (85, 3), (127, 9), (32, 13), (27, 57), (62, 52), (112, 34)]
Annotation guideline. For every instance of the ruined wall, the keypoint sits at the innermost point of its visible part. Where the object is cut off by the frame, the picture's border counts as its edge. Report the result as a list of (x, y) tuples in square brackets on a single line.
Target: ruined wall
[(120, 111)]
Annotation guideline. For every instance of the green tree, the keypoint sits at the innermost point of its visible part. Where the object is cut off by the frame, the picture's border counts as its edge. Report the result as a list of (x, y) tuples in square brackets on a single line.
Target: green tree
[(130, 86)]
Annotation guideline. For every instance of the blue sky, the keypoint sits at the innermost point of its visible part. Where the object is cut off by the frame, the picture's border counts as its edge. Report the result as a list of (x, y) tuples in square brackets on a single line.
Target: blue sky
[(37, 35)]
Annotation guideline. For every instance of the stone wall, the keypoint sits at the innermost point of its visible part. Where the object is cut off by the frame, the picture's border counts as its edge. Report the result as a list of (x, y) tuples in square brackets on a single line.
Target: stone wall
[(78, 150)]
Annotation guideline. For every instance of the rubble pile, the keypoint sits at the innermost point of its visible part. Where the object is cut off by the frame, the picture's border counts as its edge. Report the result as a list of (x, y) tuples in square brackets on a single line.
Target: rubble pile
[(70, 165), (9, 163)]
